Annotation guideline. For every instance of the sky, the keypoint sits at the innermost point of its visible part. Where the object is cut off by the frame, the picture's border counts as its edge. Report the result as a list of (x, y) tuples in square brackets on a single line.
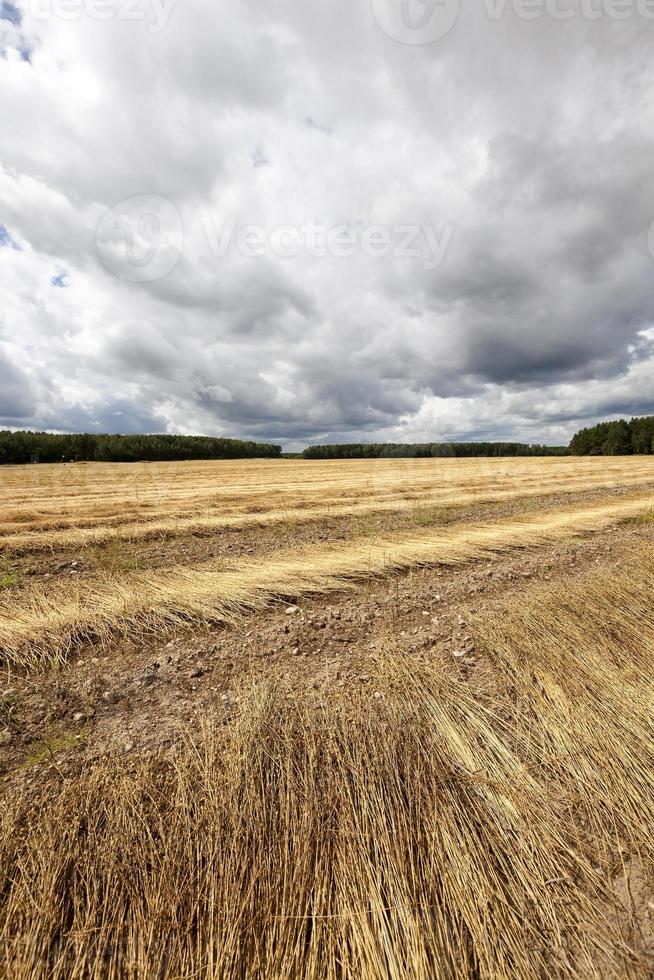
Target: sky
[(326, 221)]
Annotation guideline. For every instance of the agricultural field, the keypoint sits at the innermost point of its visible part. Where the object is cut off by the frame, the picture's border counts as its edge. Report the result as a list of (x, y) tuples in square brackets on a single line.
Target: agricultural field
[(327, 719)]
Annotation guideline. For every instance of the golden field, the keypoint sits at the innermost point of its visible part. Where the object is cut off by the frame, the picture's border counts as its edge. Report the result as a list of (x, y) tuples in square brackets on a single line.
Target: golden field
[(54, 506), (385, 718), (52, 509)]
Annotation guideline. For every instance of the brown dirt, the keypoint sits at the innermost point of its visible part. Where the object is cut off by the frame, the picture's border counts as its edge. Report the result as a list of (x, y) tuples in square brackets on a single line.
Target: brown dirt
[(189, 550), (135, 694)]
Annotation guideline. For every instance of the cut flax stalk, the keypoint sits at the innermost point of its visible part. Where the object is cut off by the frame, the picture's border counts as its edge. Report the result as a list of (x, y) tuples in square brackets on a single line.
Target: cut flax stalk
[(447, 829), (39, 626), (410, 836), (195, 515), (48, 506)]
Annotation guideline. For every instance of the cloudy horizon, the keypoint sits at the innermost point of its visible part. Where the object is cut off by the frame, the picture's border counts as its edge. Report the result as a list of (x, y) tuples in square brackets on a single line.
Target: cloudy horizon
[(379, 220)]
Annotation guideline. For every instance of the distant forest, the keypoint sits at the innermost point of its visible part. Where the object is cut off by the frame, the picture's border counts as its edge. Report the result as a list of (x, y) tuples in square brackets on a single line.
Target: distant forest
[(619, 438), (430, 449), (44, 447)]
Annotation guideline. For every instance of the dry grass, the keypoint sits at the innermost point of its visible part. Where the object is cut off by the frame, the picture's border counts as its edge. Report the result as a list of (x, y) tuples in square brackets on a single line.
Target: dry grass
[(426, 826), (40, 624), (71, 506), (439, 830), (581, 657)]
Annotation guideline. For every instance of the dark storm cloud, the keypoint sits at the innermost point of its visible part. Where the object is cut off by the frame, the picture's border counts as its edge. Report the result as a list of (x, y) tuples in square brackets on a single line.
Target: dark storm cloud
[(114, 416), (138, 348), (16, 399), (252, 296)]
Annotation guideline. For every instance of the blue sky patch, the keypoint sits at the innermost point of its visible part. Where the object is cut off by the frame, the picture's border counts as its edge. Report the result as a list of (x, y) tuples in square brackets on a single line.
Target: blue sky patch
[(6, 241), (8, 11), (60, 280), (25, 50)]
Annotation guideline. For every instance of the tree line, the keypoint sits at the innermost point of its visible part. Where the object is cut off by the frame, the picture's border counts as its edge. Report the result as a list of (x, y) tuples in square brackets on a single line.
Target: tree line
[(620, 438), (47, 447), (430, 449)]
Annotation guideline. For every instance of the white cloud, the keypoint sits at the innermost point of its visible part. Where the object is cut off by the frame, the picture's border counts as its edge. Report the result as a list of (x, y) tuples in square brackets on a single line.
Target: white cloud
[(531, 139)]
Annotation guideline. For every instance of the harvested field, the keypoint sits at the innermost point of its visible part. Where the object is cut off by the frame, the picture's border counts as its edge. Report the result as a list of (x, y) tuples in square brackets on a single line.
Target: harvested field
[(436, 762), (45, 622), (54, 506)]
